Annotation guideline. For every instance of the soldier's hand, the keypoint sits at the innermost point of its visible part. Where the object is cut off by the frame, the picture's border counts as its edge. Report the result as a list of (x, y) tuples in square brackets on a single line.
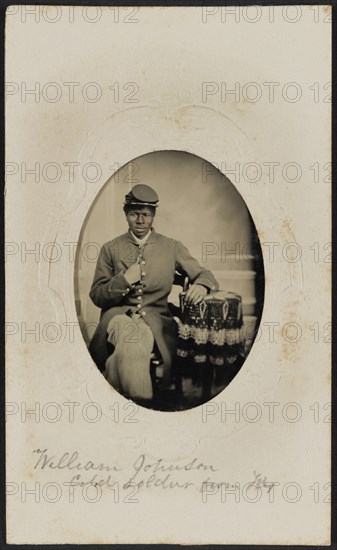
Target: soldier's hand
[(195, 294), (132, 274)]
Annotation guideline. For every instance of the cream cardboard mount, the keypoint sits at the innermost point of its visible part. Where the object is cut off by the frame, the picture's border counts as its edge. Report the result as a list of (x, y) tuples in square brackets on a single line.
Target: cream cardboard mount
[(252, 466)]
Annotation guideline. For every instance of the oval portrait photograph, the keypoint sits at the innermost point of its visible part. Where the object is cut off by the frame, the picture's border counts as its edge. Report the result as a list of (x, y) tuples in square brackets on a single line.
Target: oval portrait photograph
[(169, 281)]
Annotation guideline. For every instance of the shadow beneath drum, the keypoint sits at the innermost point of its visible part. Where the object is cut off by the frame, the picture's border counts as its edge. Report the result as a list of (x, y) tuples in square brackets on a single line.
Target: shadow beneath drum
[(195, 387)]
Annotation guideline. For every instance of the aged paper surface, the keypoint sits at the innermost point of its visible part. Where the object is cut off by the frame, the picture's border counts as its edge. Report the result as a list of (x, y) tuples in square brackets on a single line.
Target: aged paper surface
[(87, 91)]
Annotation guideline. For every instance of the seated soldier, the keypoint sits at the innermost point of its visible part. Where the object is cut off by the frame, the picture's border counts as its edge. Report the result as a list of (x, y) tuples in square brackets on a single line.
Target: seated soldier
[(132, 281)]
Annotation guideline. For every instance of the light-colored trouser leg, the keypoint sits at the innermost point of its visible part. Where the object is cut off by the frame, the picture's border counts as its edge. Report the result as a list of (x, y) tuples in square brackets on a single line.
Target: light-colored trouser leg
[(128, 368)]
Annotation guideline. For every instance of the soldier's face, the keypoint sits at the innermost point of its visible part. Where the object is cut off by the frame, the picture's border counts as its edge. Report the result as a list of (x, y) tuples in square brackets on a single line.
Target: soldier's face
[(140, 220)]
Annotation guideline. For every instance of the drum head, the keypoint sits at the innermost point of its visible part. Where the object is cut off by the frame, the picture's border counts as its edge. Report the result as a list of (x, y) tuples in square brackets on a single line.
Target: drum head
[(221, 295), (218, 295)]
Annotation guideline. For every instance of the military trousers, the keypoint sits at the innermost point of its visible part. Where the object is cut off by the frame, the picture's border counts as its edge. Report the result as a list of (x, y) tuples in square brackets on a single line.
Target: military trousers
[(128, 368)]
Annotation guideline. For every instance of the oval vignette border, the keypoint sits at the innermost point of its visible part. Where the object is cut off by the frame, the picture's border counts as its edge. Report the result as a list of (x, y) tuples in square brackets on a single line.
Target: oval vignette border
[(129, 134)]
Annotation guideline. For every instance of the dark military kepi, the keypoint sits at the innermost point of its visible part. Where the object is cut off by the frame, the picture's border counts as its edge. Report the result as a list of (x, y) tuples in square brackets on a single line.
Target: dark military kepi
[(160, 257), (142, 195)]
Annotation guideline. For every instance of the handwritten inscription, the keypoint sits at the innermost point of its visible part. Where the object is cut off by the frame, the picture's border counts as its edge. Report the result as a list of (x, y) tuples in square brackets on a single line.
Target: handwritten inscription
[(142, 473), (261, 482), (153, 473), (69, 461)]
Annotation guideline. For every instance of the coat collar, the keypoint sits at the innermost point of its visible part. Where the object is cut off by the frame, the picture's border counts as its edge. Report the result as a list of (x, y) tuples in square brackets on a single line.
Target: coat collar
[(152, 238)]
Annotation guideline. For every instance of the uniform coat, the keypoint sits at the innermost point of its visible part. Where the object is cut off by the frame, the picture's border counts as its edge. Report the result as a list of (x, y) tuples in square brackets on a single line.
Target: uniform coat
[(160, 257)]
